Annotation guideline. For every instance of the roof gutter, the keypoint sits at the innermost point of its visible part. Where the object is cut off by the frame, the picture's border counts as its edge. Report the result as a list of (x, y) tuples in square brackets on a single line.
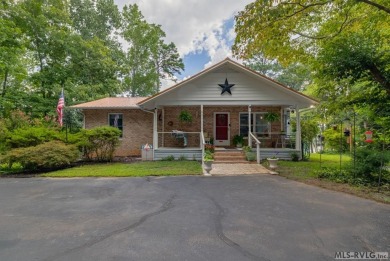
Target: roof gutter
[(142, 109)]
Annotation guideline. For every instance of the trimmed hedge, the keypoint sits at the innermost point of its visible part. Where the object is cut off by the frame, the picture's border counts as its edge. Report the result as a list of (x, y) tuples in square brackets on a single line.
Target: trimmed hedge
[(30, 136), (47, 155), (100, 143)]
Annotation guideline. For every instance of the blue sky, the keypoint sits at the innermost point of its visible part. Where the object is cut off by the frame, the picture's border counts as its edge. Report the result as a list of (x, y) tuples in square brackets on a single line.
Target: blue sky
[(202, 30), (194, 62)]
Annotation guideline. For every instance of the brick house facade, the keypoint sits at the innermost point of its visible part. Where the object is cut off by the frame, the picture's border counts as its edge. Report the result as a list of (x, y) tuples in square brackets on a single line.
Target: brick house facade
[(217, 114), (137, 128)]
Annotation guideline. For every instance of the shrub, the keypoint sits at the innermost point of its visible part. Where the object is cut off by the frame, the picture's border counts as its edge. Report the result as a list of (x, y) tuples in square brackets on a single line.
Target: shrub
[(238, 140), (247, 149), (368, 162), (208, 156), (100, 142), (182, 158), (335, 140), (250, 156), (29, 136), (209, 147), (169, 158), (47, 155), (3, 135), (294, 156)]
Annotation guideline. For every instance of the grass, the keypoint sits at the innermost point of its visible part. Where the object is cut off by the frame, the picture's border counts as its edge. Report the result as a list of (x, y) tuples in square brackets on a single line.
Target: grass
[(305, 171), (140, 169)]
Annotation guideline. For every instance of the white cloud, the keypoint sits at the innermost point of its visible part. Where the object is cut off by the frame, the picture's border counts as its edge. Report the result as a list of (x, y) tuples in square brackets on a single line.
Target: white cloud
[(193, 25)]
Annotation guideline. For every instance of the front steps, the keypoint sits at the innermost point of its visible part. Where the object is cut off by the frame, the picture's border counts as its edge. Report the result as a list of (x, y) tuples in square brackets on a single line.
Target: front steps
[(229, 156)]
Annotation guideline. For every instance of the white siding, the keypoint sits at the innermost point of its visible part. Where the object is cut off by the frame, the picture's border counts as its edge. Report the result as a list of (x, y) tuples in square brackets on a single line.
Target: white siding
[(250, 88)]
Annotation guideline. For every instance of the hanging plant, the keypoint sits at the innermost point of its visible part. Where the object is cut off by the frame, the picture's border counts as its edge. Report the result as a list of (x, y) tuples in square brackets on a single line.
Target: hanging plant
[(271, 116), (185, 116)]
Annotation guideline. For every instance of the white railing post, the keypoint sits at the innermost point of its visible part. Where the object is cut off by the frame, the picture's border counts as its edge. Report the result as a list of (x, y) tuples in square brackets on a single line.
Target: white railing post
[(257, 146), (249, 125), (202, 145), (155, 130)]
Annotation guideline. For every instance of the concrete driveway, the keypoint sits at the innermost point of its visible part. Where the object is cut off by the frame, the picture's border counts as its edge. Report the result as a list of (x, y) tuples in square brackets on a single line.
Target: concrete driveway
[(259, 217)]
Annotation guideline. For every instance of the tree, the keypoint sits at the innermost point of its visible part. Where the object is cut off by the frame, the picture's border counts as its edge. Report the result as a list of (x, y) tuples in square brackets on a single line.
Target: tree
[(167, 61), (148, 58), (95, 18), (49, 45), (140, 36), (296, 75), (287, 30), (11, 48), (343, 43)]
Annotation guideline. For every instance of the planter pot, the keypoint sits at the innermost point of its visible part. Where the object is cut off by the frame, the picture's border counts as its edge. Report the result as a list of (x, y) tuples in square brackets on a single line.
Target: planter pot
[(208, 165), (273, 163), (239, 145)]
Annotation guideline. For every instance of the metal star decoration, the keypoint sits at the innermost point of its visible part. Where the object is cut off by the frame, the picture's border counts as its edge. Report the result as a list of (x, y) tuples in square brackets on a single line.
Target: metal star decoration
[(226, 87)]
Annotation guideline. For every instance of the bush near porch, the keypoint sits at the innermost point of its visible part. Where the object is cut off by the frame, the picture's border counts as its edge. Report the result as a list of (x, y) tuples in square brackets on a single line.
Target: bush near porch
[(328, 175), (36, 145)]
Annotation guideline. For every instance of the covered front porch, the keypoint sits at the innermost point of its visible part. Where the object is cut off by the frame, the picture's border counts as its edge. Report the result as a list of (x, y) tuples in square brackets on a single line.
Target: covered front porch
[(218, 125), (225, 100)]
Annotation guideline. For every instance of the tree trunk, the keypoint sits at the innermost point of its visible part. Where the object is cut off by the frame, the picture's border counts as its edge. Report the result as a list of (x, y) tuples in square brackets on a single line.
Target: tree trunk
[(380, 7), (378, 77), (5, 83)]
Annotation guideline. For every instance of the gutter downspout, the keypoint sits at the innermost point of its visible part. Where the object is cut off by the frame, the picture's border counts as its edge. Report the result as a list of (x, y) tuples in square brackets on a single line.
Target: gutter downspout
[(154, 127)]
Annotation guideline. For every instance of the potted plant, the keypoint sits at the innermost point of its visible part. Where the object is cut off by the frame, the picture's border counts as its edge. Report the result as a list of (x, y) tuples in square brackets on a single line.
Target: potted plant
[(238, 140), (271, 117), (273, 162), (208, 159), (185, 116)]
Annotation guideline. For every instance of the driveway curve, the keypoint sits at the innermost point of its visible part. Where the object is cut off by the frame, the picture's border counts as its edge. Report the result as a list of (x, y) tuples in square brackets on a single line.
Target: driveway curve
[(258, 217)]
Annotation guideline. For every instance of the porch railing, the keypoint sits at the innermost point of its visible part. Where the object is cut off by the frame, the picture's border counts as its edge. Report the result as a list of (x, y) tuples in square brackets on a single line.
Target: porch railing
[(179, 139), (257, 146), (276, 139)]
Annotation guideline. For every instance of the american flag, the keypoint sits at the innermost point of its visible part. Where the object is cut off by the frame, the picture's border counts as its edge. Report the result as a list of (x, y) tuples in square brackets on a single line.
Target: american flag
[(60, 107)]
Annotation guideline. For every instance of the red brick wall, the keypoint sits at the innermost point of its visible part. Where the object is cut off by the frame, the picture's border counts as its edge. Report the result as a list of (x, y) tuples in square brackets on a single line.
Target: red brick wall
[(137, 128), (138, 125), (171, 114)]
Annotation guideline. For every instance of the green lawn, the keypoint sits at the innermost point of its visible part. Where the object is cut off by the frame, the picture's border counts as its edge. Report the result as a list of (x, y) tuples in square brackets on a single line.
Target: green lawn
[(307, 169), (139, 169)]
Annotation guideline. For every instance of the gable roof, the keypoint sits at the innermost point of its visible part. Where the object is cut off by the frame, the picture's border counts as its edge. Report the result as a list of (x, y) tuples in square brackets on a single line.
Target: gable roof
[(112, 103), (236, 65)]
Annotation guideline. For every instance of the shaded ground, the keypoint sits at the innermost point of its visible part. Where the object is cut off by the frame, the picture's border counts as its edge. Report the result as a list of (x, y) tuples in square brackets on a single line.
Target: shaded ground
[(258, 217)]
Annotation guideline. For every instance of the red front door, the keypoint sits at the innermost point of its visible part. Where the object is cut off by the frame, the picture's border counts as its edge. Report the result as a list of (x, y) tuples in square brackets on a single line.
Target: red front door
[(221, 120)]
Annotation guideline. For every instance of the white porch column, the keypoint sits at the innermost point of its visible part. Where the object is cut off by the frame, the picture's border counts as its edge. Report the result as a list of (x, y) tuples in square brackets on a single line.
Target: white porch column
[(155, 134), (201, 118), (298, 133), (249, 125), (162, 126)]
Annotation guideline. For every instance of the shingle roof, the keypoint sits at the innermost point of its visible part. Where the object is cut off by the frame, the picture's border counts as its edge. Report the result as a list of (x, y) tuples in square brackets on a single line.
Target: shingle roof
[(112, 102)]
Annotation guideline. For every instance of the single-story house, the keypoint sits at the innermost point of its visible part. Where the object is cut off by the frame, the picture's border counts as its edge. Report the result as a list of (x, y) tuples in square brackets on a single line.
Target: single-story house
[(224, 100)]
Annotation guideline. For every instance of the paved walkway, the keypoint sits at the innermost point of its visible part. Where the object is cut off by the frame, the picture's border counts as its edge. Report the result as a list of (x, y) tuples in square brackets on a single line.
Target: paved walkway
[(238, 169)]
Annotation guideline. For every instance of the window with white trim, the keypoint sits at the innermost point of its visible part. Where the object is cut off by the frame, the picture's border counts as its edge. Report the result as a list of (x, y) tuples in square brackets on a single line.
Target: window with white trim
[(116, 120), (259, 126)]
